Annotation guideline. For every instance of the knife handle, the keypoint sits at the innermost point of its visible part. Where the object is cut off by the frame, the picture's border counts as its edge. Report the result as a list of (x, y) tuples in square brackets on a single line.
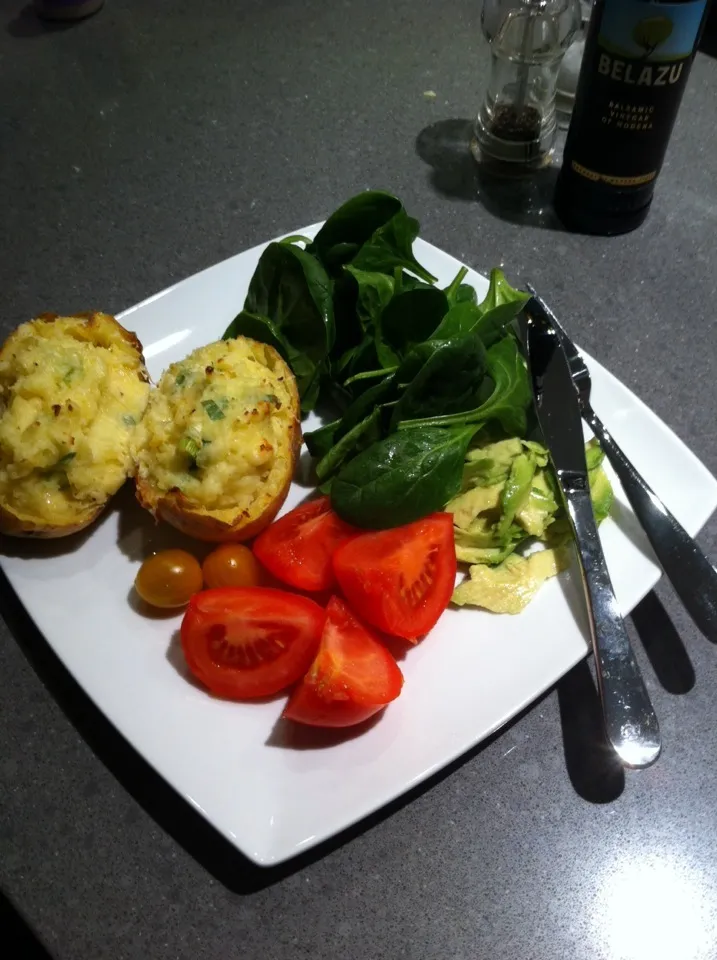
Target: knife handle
[(630, 721), (688, 569)]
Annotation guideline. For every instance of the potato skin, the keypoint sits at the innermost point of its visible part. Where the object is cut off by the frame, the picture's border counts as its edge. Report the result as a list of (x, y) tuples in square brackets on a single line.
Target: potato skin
[(225, 526), (15, 524), (216, 526)]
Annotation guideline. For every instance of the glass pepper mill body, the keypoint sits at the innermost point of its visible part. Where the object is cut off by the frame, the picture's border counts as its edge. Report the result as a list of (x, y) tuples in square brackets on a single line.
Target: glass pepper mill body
[(516, 125)]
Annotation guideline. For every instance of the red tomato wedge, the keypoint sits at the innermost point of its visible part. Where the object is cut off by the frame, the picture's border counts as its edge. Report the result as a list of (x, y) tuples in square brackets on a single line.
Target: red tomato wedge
[(353, 676), (297, 548), (401, 580), (246, 642)]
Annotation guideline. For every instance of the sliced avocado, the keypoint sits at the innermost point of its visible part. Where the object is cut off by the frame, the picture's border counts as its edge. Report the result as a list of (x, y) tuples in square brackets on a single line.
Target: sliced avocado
[(484, 473), (509, 587), (515, 492), (538, 511), (538, 450), (489, 555), (467, 506), (480, 533), (601, 494), (594, 454), (504, 451)]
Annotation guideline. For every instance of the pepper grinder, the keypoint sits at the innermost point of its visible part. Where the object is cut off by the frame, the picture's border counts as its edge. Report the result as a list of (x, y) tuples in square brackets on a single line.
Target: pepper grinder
[(516, 125)]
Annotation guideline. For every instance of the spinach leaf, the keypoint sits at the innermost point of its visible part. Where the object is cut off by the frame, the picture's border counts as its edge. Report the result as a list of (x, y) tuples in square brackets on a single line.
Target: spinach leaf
[(391, 246), (349, 228), (321, 440), (500, 292), (262, 329), (296, 238), (466, 293), (491, 319), (292, 288), (459, 292), (310, 394), (366, 432), (409, 319), (385, 355), (406, 281), (401, 478), (493, 325), (366, 376), (460, 320), (415, 359), (451, 290), (376, 395), (290, 306), (247, 324), (447, 383), (374, 293), (509, 398)]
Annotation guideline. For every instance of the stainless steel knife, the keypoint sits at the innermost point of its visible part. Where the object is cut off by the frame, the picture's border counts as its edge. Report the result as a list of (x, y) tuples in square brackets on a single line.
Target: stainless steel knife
[(630, 720), (685, 565)]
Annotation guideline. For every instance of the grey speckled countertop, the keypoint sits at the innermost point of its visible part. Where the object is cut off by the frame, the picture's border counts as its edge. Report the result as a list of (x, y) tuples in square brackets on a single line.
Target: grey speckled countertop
[(157, 138)]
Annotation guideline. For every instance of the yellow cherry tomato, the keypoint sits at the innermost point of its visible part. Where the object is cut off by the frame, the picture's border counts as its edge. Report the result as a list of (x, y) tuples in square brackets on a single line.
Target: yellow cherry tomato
[(232, 565), (169, 579)]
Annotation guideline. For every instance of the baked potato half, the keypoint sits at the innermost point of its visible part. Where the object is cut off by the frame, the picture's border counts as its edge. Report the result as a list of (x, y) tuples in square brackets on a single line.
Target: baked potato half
[(72, 392), (217, 448)]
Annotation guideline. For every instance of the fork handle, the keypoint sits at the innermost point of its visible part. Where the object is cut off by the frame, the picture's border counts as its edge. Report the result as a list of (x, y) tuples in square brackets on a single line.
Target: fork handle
[(688, 569)]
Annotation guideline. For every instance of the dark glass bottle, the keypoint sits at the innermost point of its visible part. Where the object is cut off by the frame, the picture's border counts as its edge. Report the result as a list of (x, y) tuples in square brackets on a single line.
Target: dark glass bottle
[(638, 54)]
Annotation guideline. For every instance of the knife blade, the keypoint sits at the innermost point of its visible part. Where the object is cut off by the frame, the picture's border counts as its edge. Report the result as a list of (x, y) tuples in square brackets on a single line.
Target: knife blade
[(630, 720), (685, 565)]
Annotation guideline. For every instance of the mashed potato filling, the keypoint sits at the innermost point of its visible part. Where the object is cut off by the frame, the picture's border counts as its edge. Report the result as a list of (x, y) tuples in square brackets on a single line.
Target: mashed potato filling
[(72, 391), (216, 427)]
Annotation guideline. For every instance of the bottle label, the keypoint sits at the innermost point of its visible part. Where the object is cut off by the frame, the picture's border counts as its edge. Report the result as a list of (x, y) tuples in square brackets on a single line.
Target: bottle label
[(635, 77)]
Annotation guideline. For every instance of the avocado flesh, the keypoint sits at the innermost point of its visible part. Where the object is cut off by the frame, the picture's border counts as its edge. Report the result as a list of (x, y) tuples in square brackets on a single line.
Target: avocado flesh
[(510, 586), (510, 499)]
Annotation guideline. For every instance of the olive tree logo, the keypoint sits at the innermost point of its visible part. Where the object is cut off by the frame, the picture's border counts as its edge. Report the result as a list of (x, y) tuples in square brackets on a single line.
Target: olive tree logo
[(651, 32)]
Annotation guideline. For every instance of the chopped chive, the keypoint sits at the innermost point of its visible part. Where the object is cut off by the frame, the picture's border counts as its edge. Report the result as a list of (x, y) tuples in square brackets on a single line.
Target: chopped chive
[(66, 460), (181, 378), (189, 446), (128, 420), (213, 409)]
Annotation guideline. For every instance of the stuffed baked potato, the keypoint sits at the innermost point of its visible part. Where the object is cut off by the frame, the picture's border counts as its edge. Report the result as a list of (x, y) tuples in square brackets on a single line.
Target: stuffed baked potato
[(217, 448), (72, 391)]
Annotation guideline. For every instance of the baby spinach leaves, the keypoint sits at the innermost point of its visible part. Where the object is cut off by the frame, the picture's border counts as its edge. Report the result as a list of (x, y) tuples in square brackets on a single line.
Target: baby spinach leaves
[(414, 370), (373, 232), (410, 318), (401, 478), (447, 382), (290, 306)]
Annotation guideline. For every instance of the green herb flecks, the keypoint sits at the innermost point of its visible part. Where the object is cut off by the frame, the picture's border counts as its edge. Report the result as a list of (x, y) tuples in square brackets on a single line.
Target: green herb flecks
[(214, 411)]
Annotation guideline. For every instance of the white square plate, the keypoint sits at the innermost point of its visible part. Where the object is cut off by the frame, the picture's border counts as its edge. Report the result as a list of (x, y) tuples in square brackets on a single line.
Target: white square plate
[(273, 791)]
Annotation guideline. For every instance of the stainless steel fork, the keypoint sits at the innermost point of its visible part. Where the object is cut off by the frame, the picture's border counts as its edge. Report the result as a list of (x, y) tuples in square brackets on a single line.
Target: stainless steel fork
[(688, 569)]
